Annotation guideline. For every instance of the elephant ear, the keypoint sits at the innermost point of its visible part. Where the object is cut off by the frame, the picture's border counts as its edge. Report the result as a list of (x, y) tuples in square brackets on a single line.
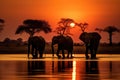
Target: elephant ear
[(81, 37), (84, 37), (96, 36), (55, 40)]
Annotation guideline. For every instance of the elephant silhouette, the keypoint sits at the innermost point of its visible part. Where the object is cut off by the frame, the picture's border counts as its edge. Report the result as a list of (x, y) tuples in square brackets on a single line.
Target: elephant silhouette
[(91, 41), (36, 44), (64, 43)]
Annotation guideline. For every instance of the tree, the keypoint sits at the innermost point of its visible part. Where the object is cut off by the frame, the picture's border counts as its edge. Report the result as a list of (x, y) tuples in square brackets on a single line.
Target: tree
[(64, 26), (6, 41), (1, 24), (33, 26), (19, 41), (109, 30), (83, 26)]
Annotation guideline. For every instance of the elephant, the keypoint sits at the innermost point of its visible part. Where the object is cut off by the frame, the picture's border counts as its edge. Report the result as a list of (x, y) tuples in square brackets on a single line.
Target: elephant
[(64, 43), (35, 44), (91, 41)]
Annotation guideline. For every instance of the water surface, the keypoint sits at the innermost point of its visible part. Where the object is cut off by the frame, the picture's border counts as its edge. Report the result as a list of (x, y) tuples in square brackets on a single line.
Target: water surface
[(59, 70)]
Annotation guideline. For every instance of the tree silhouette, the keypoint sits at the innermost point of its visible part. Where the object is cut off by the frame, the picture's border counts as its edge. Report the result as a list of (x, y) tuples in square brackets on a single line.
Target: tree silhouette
[(109, 30), (33, 26), (64, 26), (1, 24), (6, 40), (83, 26)]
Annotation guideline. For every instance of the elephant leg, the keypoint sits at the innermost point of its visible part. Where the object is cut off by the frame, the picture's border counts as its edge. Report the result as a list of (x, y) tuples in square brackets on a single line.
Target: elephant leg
[(36, 53), (95, 51), (28, 50), (68, 54), (71, 54), (92, 53), (33, 54), (96, 48), (63, 53), (40, 53), (86, 53), (58, 53)]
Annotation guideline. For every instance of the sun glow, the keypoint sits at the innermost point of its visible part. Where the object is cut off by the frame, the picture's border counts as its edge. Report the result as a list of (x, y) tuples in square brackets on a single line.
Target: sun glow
[(72, 25)]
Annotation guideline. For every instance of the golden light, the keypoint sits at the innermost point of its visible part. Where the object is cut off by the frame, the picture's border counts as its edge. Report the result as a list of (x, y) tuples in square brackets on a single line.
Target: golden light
[(72, 25), (74, 71)]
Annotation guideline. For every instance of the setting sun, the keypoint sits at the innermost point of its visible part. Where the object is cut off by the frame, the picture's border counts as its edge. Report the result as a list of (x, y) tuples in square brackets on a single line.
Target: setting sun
[(72, 25)]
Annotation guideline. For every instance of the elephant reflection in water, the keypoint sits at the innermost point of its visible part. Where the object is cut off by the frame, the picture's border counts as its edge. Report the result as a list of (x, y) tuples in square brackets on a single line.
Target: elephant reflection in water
[(64, 43), (36, 67), (62, 66), (91, 41), (92, 67), (36, 44)]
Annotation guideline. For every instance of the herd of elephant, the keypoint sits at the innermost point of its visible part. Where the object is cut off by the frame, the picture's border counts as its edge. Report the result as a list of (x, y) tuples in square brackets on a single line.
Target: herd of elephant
[(36, 45)]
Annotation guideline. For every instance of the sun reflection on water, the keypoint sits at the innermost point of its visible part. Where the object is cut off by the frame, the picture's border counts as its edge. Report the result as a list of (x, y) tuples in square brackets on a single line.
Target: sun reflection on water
[(74, 71)]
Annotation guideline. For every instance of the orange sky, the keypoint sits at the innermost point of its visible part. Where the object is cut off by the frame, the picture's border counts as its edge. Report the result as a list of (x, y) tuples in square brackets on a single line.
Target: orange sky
[(97, 13)]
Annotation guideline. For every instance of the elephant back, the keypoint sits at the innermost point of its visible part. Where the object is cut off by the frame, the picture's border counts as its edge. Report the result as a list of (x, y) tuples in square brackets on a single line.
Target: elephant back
[(87, 37), (67, 43), (65, 39), (37, 41), (95, 35), (69, 40), (64, 42), (57, 39)]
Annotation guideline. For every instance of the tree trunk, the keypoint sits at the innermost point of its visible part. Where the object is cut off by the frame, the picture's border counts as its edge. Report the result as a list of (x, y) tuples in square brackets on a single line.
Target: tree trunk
[(110, 39)]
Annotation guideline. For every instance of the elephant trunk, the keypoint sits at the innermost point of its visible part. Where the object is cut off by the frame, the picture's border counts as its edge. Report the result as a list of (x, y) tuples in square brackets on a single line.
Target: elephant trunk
[(52, 49), (28, 50), (29, 44)]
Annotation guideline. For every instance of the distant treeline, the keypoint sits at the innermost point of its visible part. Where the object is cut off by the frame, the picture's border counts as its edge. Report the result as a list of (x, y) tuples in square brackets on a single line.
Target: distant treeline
[(19, 42), (11, 42)]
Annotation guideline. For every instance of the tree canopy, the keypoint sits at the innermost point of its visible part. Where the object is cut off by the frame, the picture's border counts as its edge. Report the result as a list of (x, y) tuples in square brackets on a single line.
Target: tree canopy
[(33, 26), (64, 26), (109, 30), (83, 26)]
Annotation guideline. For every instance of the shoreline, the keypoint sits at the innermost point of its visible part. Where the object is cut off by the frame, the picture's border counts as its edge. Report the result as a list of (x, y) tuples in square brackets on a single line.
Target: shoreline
[(76, 50)]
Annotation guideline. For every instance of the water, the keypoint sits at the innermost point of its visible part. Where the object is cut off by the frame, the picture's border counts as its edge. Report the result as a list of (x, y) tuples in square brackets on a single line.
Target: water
[(67, 69)]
